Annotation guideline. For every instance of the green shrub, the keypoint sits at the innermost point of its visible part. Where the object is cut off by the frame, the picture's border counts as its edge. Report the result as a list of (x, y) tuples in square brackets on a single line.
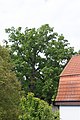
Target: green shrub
[(35, 109), (10, 88)]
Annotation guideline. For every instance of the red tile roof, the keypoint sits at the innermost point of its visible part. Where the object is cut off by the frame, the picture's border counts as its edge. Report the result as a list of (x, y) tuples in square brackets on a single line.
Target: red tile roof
[(73, 66), (69, 85)]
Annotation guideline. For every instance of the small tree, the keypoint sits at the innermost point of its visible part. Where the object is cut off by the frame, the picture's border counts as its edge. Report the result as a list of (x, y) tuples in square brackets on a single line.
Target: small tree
[(9, 88), (35, 109)]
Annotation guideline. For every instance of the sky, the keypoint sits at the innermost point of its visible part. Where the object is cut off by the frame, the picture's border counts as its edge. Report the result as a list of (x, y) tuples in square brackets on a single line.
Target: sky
[(63, 15)]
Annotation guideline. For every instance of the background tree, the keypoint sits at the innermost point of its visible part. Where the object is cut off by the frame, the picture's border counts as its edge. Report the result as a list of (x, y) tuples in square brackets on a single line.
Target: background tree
[(9, 88), (39, 55)]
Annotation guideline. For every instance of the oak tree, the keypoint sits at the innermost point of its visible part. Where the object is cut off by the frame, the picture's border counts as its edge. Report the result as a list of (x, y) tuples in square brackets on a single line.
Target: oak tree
[(39, 56)]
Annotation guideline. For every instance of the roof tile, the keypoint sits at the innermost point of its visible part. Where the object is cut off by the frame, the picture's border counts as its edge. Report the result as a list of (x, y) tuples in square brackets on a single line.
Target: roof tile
[(73, 66), (69, 85)]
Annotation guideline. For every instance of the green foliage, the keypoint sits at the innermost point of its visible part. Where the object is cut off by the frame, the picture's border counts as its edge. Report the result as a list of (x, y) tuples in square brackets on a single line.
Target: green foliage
[(35, 109), (39, 56), (9, 88)]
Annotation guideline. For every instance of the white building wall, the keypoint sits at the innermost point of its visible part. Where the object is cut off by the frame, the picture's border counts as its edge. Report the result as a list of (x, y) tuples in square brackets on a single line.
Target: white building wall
[(69, 112)]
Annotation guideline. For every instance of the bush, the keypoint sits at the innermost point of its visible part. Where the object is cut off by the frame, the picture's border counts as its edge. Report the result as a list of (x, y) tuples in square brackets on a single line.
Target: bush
[(35, 109), (10, 88)]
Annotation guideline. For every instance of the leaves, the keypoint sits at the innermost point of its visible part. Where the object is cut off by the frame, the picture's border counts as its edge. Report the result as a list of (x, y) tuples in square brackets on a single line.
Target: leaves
[(9, 88), (39, 56), (35, 109)]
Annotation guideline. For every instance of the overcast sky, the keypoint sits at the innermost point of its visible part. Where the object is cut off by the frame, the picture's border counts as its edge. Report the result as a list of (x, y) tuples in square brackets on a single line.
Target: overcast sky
[(63, 15)]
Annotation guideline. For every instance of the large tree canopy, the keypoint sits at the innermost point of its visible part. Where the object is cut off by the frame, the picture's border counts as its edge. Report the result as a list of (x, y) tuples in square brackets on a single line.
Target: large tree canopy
[(9, 88), (39, 55)]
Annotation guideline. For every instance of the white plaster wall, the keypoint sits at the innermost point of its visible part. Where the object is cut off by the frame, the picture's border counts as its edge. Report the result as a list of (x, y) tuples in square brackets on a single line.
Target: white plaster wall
[(69, 112)]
